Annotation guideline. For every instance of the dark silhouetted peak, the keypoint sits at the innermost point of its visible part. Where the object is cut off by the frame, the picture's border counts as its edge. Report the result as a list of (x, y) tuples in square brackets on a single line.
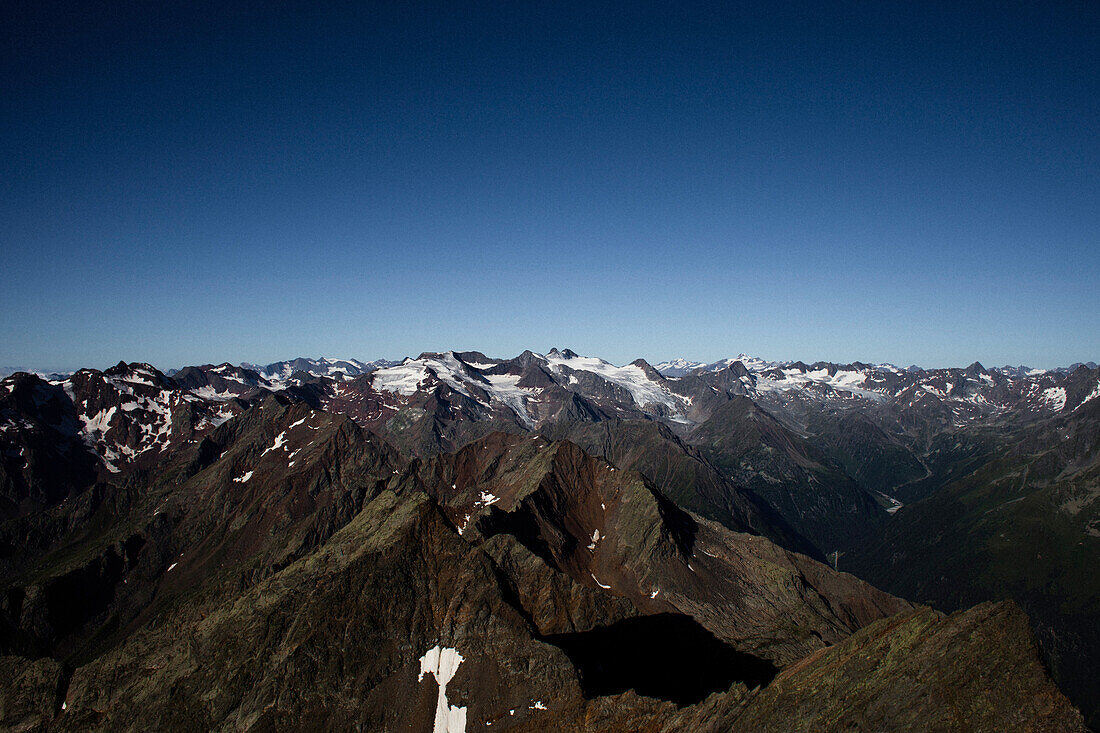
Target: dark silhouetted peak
[(528, 357), (21, 380), (119, 369), (975, 369), (535, 376), (738, 369), (137, 371), (730, 374), (648, 370), (474, 357)]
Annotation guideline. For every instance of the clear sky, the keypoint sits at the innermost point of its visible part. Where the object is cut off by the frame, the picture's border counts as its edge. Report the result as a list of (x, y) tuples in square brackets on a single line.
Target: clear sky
[(187, 182)]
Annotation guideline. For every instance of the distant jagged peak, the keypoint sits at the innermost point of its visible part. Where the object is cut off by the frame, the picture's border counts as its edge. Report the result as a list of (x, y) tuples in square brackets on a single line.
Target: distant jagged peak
[(648, 370), (680, 366), (50, 375), (677, 367), (476, 359), (975, 369), (283, 371)]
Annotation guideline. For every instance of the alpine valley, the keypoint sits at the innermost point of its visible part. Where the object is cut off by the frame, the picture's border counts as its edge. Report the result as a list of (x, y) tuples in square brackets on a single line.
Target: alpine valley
[(550, 543)]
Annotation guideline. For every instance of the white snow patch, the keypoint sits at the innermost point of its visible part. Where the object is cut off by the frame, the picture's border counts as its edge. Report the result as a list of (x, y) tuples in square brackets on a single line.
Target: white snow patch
[(894, 503), (845, 380), (442, 662), (221, 417), (1091, 396), (99, 423), (280, 442), (598, 581), (633, 379), (241, 479), (207, 392), (405, 379), (171, 566), (1055, 397), (505, 388), (67, 386), (679, 364)]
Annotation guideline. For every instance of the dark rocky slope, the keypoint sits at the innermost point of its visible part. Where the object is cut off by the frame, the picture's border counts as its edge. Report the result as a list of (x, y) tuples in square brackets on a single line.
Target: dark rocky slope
[(289, 568), (1026, 526), (816, 497)]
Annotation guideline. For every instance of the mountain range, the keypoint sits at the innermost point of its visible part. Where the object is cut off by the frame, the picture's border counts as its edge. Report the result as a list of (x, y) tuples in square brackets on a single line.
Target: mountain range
[(550, 542)]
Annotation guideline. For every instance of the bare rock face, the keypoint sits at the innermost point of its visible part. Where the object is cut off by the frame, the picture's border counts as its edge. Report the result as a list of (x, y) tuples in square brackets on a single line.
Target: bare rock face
[(29, 696), (608, 529), (43, 459), (336, 639), (680, 472), (917, 671), (796, 477), (1023, 524)]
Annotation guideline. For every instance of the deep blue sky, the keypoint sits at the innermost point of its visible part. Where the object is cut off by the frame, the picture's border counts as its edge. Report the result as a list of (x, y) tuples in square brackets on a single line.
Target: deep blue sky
[(184, 182)]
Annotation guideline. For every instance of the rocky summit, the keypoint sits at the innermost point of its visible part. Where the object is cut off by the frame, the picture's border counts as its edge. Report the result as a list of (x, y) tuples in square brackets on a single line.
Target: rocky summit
[(551, 542)]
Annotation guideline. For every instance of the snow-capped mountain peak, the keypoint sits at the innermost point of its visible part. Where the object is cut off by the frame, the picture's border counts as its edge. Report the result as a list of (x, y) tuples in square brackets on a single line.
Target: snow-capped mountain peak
[(677, 367), (280, 372)]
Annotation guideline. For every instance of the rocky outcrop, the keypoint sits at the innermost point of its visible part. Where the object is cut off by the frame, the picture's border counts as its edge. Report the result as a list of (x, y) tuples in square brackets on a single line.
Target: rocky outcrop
[(917, 671)]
